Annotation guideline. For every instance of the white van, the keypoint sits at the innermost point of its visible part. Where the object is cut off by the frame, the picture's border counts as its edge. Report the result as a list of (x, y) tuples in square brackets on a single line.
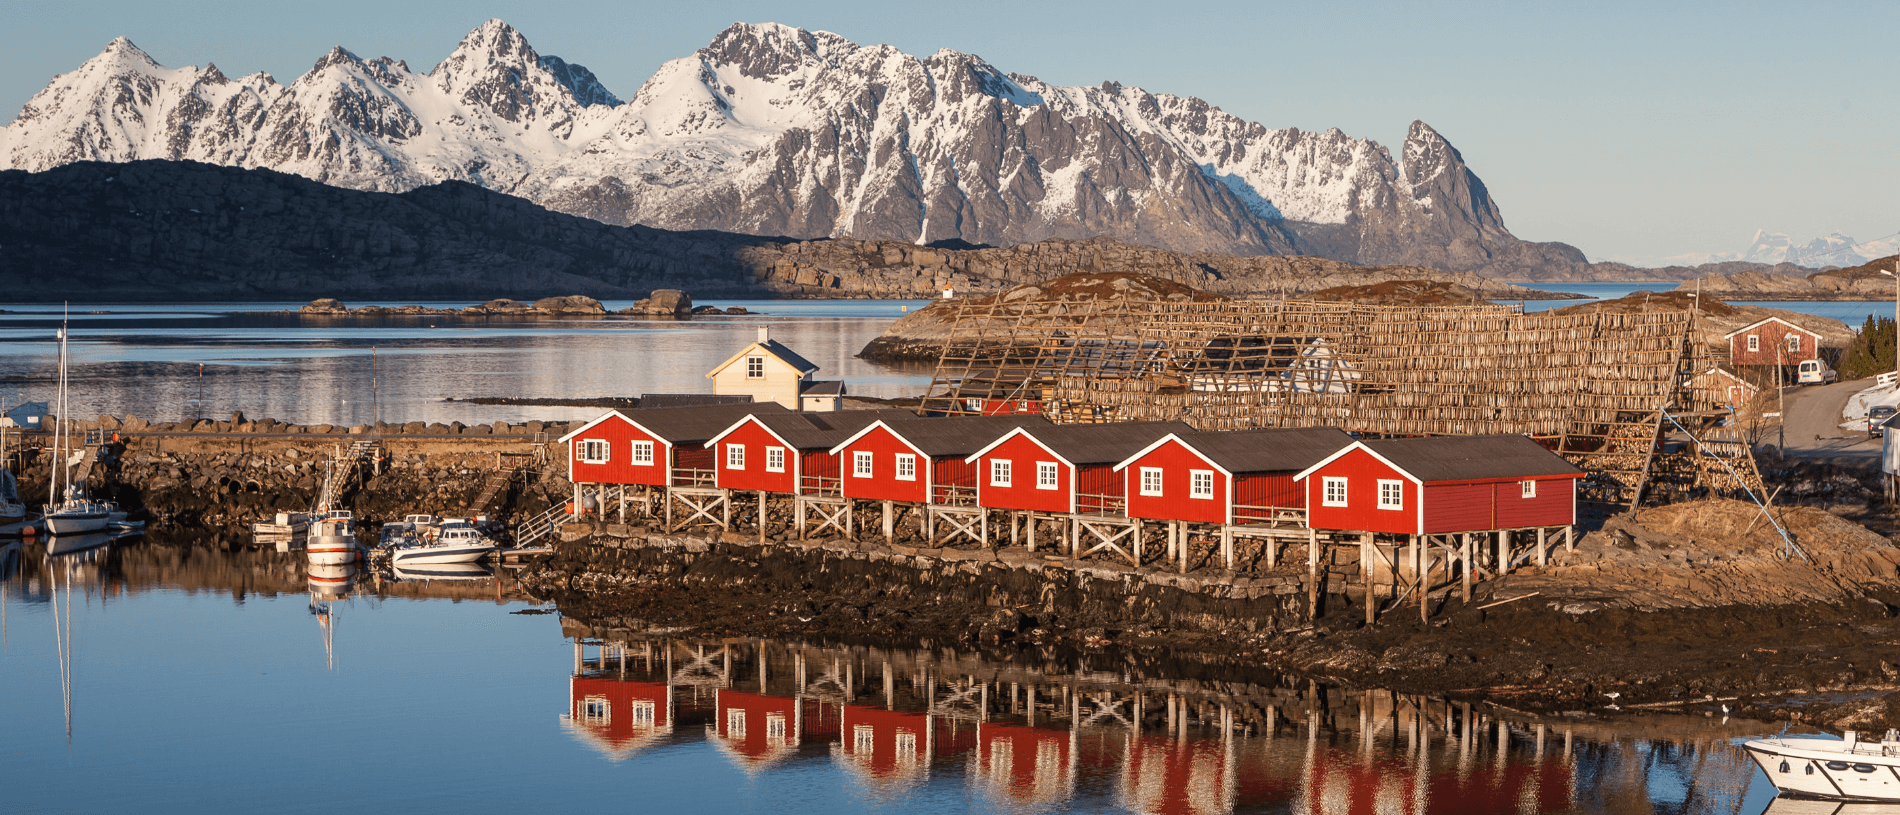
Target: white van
[(1815, 372)]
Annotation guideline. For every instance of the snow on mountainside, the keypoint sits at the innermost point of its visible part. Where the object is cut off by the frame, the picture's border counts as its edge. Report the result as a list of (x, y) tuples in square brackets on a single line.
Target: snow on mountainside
[(777, 130)]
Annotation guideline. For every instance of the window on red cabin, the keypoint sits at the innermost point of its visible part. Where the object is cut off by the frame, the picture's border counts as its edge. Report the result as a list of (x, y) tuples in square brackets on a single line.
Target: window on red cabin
[(594, 451), (775, 726), (1794, 342), (1391, 494), (1045, 475), (1754, 342), (999, 472), (863, 739), (1528, 489), (643, 453), (861, 464), (1200, 483), (643, 714), (735, 456), (906, 467), (775, 459), (907, 746), (1332, 491), (595, 710), (1151, 482), (735, 722)]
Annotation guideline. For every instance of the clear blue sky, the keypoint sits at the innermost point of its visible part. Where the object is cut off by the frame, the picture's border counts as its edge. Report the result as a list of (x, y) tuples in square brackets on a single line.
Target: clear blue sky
[(1632, 130)]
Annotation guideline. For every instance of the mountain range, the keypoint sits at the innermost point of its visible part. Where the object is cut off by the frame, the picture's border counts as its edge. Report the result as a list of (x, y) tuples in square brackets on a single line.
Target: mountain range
[(778, 131)]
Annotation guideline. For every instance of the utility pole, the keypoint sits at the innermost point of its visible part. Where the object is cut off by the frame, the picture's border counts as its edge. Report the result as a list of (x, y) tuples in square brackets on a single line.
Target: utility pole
[(1781, 402)]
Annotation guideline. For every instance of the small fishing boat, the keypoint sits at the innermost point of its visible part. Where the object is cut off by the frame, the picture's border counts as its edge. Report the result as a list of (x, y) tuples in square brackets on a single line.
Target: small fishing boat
[(1839, 769), (332, 538), (455, 541), (441, 571)]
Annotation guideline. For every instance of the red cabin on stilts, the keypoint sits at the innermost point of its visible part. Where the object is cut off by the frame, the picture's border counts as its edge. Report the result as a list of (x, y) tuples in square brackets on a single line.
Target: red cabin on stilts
[(1440, 485), (1230, 477)]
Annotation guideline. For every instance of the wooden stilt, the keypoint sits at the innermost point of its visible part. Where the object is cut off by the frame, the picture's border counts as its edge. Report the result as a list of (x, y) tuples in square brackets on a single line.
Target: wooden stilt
[(1464, 563), (1365, 574), (850, 520), (1139, 556), (1227, 547), (1570, 538), (1543, 547), (1312, 574), (1032, 531), (798, 516), (1183, 551), (1273, 551), (1504, 552), (1424, 555), (890, 528), (761, 517)]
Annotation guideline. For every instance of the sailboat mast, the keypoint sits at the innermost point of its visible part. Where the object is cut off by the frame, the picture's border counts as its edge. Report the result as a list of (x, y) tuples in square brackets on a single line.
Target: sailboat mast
[(59, 420)]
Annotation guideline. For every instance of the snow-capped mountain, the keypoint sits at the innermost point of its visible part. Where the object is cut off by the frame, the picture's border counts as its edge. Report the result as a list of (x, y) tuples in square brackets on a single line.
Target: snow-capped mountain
[(1832, 249), (777, 130)]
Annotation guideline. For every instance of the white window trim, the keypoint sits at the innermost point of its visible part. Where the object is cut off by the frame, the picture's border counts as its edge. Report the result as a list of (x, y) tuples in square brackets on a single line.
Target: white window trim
[(640, 447), (750, 364), (862, 464), (735, 456), (1195, 479), (1527, 489), (587, 715), (999, 472), (1794, 343), (1754, 343), (606, 449), (1326, 491), (1156, 490), (1398, 489), (775, 453), (1048, 468), (644, 713), (906, 473)]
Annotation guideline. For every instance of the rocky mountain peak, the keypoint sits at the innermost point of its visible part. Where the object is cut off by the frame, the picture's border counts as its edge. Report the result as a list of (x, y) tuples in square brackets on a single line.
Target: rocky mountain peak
[(495, 69), (773, 50), (211, 75)]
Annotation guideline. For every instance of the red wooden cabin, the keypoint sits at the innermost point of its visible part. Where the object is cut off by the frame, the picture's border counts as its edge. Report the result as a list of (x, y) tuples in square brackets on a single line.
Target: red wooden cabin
[(789, 453), (1773, 341), (1065, 469), (921, 460), (1440, 485), (1163, 775), (1022, 766), (620, 717), (656, 448), (755, 729), (1231, 477), (887, 746)]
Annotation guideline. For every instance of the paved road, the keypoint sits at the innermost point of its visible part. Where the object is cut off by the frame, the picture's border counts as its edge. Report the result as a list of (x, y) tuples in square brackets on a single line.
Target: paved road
[(1813, 423)]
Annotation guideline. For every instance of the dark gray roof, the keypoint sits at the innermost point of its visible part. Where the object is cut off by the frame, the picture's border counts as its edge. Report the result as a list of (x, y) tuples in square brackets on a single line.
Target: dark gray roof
[(1265, 450), (1458, 458), (827, 387), (803, 365), (655, 401), (823, 431), (1104, 443), (959, 436), (694, 425)]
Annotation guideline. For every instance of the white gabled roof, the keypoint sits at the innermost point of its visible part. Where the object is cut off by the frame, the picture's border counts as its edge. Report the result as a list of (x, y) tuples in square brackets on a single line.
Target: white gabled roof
[(770, 348), (1184, 443), (609, 415), (1759, 323), (1013, 434), (1357, 445)]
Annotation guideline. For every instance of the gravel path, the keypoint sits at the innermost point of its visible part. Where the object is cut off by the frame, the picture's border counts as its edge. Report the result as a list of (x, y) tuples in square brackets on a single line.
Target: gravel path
[(1813, 423)]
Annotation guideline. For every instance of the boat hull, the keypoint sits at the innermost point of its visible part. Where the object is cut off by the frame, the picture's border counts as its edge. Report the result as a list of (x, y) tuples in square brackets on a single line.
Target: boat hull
[(75, 524), (1819, 768), (331, 550), (441, 554)]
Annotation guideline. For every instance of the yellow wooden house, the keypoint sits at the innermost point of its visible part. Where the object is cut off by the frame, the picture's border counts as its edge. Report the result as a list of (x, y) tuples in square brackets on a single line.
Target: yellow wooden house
[(767, 371)]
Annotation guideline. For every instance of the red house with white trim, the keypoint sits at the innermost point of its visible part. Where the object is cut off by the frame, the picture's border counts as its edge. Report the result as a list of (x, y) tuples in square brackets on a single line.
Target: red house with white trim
[(887, 745), (652, 447), (1440, 485), (1227, 477), (1062, 469), (620, 717), (921, 461), (775, 452), (1773, 341)]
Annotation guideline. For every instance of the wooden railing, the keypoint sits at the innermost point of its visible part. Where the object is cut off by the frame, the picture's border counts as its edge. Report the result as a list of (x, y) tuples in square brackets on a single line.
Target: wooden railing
[(693, 478), (1098, 504), (820, 485), (1273, 516), (950, 496)]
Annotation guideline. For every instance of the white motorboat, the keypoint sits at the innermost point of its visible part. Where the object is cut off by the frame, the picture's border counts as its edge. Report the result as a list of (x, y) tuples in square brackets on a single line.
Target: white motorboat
[(1838, 769), (332, 538), (441, 571), (454, 542)]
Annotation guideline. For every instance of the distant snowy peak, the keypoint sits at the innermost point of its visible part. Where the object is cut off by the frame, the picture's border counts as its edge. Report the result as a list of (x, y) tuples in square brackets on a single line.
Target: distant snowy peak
[(1832, 249), (772, 129)]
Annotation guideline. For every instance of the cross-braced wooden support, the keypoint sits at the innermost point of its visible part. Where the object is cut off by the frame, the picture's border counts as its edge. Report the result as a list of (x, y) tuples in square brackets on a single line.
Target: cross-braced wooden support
[(943, 524), (1089, 534), (813, 514), (704, 506)]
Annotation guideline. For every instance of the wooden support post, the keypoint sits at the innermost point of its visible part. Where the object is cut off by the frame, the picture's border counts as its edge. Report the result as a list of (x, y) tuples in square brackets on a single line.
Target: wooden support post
[(1424, 550), (1504, 552), (798, 515), (761, 517), (1016, 520), (1570, 538), (850, 521), (983, 521), (669, 510), (929, 523), (1365, 574), (1032, 530), (1464, 562), (1312, 574), (1184, 547), (1273, 551), (1138, 542), (890, 529), (1227, 546), (1543, 547), (725, 511)]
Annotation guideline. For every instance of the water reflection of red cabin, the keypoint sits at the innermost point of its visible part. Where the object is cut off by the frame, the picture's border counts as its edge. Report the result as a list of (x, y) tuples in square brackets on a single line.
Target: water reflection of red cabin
[(1351, 784), (620, 717), (1023, 766), (759, 730), (1162, 775), (887, 747)]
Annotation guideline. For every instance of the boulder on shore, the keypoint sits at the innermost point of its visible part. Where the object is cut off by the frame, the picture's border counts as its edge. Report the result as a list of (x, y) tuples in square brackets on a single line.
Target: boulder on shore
[(664, 302), (324, 305), (570, 304)]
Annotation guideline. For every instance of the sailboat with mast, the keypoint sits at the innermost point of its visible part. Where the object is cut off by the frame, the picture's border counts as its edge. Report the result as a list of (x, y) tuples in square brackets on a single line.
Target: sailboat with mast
[(67, 511)]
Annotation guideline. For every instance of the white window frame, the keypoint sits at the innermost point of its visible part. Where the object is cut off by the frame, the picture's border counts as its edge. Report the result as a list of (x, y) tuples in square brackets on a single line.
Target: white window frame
[(1754, 343), (1527, 489), (643, 713), (589, 447), (775, 459), (906, 467), (775, 727), (1794, 343), (1391, 493), (643, 453), (1327, 491), (735, 722), (1201, 484), (755, 367), (999, 472), (735, 456), (591, 714), (863, 464), (1151, 482), (1047, 476), (863, 739)]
